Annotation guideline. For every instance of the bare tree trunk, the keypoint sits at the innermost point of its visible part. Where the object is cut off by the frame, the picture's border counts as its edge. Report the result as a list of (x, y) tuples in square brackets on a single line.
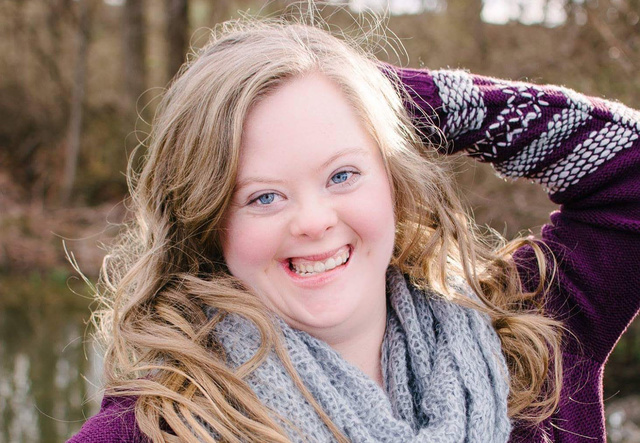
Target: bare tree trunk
[(134, 50), (177, 22), (606, 33), (220, 12), (471, 31), (74, 128), (478, 30)]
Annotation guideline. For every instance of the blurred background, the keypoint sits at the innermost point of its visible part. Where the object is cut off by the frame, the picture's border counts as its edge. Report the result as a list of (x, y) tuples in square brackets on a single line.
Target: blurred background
[(79, 80)]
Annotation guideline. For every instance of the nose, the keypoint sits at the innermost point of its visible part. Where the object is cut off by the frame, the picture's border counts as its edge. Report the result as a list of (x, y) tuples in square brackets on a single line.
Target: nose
[(313, 218)]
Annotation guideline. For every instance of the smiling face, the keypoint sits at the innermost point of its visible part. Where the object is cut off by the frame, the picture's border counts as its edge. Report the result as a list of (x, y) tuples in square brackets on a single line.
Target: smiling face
[(311, 227)]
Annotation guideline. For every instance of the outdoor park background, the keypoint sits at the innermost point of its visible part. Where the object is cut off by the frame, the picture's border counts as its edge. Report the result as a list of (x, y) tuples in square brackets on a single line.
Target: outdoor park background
[(79, 80)]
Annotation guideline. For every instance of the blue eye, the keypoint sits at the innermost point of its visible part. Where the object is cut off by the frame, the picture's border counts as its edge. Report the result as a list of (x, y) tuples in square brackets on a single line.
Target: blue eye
[(264, 199), (341, 177)]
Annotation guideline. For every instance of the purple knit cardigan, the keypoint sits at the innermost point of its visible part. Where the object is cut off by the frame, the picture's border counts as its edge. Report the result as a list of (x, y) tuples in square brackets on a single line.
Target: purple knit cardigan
[(585, 152)]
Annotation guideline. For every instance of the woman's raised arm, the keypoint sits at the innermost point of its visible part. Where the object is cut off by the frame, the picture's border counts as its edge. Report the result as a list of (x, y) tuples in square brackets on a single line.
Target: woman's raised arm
[(585, 152)]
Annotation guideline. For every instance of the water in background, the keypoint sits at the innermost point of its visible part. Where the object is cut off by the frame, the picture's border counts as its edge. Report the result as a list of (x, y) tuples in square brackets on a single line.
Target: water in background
[(49, 369)]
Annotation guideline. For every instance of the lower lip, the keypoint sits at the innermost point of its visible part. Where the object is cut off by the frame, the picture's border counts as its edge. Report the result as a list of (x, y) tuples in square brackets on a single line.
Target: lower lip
[(319, 279)]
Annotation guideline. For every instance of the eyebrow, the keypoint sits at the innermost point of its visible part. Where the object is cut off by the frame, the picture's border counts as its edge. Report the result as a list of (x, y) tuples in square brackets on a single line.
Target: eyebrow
[(270, 181), (341, 153), (256, 179)]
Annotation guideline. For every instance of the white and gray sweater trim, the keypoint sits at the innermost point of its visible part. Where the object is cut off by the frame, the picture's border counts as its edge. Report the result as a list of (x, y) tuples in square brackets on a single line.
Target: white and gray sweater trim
[(513, 139)]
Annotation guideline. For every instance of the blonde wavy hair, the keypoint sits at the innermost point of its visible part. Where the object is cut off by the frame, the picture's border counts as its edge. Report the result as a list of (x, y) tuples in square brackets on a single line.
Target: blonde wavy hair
[(168, 268)]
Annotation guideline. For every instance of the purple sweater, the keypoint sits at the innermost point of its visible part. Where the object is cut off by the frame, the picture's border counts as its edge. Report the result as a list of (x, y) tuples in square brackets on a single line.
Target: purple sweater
[(586, 153)]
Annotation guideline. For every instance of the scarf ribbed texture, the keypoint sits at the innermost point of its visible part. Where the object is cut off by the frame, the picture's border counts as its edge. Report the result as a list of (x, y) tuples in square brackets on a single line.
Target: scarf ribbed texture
[(444, 373)]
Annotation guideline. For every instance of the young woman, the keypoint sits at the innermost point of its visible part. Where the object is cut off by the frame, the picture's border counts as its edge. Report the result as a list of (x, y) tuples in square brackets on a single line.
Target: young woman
[(301, 270)]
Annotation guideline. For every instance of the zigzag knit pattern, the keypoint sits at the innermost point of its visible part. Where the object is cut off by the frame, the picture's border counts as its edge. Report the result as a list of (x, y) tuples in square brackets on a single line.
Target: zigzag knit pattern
[(544, 118)]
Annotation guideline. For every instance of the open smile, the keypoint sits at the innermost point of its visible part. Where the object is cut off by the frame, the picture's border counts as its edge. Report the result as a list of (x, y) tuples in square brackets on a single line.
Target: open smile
[(306, 267), (316, 265)]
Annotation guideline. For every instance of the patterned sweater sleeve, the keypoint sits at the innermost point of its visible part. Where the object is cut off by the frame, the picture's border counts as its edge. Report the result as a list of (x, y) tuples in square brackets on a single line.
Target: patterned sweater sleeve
[(585, 152)]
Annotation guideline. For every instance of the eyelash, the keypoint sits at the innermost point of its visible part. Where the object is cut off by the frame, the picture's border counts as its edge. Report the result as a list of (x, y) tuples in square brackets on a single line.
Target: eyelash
[(255, 201), (347, 182)]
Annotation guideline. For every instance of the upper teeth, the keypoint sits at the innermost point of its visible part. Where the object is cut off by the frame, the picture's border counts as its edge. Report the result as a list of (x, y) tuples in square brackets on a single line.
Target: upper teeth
[(314, 267)]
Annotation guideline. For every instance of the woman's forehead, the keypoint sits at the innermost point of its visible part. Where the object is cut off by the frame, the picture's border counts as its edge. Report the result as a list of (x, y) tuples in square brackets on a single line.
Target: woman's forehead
[(307, 119)]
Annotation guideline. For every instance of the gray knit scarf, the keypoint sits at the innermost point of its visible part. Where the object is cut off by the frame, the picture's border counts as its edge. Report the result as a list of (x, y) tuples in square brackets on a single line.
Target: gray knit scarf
[(445, 378)]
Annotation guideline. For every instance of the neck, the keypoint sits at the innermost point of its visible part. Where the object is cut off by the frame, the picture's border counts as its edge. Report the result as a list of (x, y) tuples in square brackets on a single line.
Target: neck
[(363, 350)]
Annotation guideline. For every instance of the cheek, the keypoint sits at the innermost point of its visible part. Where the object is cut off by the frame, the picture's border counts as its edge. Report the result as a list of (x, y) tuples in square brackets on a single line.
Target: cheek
[(248, 245), (373, 217), (375, 222)]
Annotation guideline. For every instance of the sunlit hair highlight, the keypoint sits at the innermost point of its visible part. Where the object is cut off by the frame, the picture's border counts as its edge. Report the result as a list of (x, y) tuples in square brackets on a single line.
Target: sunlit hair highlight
[(167, 272)]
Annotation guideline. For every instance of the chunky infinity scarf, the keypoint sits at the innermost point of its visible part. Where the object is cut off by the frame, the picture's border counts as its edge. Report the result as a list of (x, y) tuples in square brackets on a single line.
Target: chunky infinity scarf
[(444, 374)]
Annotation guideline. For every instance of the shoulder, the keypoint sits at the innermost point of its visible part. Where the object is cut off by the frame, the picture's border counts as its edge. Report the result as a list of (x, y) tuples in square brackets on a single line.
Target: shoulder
[(115, 423)]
